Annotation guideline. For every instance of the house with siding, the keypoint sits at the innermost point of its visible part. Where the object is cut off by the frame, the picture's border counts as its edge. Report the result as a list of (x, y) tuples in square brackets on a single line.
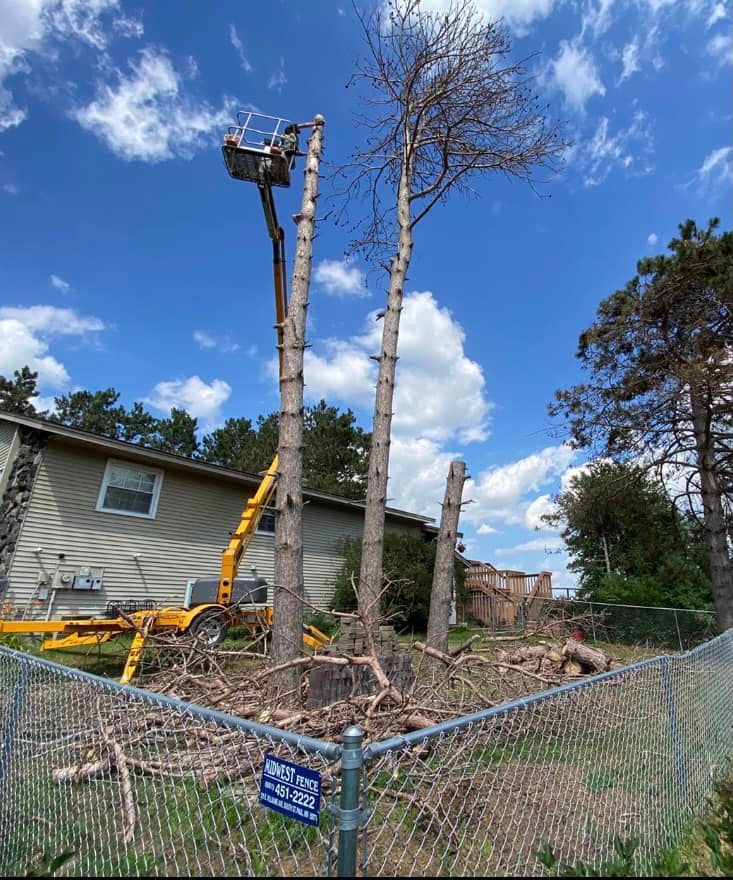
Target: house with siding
[(86, 520)]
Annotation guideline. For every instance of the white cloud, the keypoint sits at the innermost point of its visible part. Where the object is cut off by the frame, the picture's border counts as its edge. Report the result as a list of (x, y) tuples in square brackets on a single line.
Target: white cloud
[(28, 26), (718, 12), (128, 26), (720, 48), (597, 17), (628, 148), (500, 493), (52, 321), (80, 19), (341, 278), (206, 340), (535, 545), (716, 170), (200, 399), (439, 391), (486, 529), (145, 116), (278, 80), (239, 48), (630, 60), (517, 14), (59, 283), (652, 239), (574, 72), (11, 189), (25, 335), (541, 506)]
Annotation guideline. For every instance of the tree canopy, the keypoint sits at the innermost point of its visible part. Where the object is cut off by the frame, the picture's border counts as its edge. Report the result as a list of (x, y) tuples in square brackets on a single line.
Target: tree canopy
[(409, 562), (17, 395), (660, 389), (335, 449), (628, 541)]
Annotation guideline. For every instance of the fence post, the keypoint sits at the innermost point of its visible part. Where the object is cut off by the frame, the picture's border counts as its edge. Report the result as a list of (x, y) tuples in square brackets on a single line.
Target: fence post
[(677, 624), (9, 739), (673, 725), (349, 815)]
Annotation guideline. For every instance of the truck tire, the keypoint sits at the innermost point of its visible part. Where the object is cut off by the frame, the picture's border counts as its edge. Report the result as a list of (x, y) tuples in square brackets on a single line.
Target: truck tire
[(210, 627)]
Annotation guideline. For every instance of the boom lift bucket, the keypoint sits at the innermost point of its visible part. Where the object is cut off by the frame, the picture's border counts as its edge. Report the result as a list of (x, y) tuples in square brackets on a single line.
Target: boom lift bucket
[(253, 149)]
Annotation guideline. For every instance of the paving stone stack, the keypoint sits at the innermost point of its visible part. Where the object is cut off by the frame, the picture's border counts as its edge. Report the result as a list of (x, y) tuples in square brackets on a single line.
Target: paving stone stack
[(352, 640), (329, 684)]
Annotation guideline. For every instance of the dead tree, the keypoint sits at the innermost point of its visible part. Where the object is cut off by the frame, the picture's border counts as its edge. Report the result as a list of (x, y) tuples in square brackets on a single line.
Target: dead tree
[(444, 570), (444, 104), (289, 590)]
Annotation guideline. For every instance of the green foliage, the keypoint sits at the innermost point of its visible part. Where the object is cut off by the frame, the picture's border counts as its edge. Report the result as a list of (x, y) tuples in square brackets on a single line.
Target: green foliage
[(335, 449), (408, 564), (177, 434), (17, 394), (326, 623), (628, 541)]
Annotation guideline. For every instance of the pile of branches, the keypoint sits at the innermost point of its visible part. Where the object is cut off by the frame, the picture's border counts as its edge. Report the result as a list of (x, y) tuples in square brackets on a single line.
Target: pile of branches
[(475, 675)]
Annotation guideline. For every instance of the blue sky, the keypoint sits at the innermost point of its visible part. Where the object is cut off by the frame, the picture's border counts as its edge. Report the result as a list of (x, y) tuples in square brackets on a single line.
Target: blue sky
[(128, 258)]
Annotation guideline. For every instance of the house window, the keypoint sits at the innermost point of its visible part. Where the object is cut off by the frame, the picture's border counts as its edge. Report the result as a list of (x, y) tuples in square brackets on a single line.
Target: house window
[(267, 524), (130, 490)]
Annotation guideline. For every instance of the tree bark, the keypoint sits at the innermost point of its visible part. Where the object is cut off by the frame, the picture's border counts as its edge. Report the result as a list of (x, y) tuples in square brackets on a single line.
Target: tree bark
[(289, 588), (372, 548), (442, 591), (714, 525)]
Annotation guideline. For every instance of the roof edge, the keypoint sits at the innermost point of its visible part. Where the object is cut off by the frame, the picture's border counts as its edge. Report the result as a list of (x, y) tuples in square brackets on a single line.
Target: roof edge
[(156, 455)]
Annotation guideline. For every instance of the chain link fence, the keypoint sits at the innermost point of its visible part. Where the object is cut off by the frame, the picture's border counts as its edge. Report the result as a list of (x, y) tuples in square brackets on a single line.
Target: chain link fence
[(141, 785), (644, 626)]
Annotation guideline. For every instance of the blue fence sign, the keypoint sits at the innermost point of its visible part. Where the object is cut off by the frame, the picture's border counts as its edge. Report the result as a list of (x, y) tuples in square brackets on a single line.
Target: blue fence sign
[(291, 790)]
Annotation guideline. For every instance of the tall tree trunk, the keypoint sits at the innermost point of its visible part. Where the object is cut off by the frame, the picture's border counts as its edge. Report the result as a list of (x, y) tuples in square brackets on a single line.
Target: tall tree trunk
[(370, 577), (442, 592), (714, 525), (289, 589)]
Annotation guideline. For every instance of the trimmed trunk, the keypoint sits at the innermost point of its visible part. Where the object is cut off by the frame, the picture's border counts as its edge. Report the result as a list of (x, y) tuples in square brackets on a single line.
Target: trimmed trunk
[(289, 590), (370, 577), (714, 525), (442, 592)]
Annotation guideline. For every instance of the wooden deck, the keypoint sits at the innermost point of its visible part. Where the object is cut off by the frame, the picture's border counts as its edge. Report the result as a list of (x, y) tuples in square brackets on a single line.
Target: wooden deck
[(503, 599)]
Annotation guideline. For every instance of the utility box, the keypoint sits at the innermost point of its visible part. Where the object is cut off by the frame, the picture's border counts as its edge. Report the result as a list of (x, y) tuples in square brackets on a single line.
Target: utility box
[(83, 577), (87, 582)]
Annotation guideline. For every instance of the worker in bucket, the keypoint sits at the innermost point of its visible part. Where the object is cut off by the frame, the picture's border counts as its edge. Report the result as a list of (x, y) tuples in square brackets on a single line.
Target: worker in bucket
[(289, 144)]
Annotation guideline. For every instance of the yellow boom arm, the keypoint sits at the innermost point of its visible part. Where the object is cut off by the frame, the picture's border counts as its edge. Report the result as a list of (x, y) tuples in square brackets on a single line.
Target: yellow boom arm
[(242, 537)]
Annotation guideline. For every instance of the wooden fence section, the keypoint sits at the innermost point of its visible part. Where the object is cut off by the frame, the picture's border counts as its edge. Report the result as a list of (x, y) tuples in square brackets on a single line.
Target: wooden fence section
[(503, 599)]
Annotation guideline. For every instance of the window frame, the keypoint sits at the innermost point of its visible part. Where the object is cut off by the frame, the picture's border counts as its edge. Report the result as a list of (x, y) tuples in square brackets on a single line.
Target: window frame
[(132, 465), (266, 532)]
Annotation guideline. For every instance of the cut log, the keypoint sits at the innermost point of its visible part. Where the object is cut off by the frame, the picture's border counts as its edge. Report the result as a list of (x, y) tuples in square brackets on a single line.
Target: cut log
[(572, 667), (590, 658), (534, 652)]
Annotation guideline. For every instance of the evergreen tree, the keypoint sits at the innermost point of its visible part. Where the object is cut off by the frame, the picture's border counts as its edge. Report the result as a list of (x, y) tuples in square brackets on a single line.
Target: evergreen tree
[(177, 434), (660, 384), (17, 394), (334, 454)]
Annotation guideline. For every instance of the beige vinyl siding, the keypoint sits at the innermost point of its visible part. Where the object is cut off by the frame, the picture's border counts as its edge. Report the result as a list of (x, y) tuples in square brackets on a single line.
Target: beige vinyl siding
[(184, 540)]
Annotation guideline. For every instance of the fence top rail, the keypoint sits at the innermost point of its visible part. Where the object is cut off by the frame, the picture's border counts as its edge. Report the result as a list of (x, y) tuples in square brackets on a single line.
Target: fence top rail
[(374, 750), (621, 605), (330, 751)]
